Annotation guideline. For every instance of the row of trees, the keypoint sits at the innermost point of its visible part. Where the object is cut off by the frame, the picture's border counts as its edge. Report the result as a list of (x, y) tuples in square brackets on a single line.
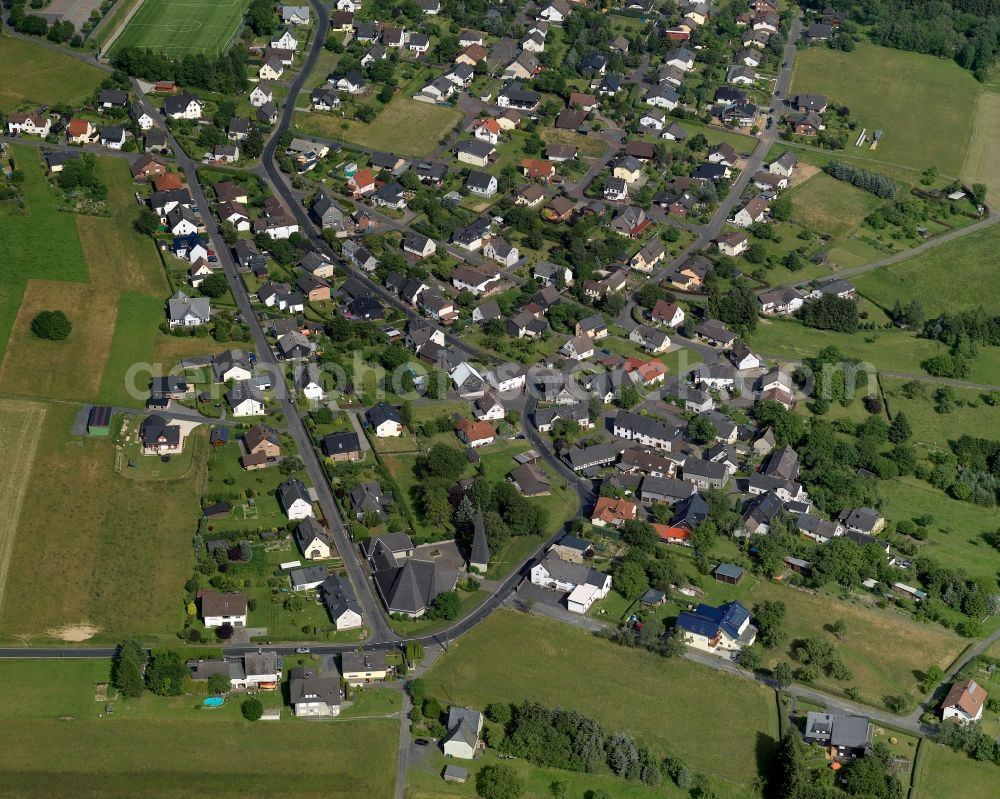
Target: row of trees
[(879, 185), (225, 73)]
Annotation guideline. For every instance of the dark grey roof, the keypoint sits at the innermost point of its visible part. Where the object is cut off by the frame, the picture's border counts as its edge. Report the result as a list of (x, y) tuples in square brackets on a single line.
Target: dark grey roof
[(309, 685), (291, 490), (338, 597), (480, 552), (308, 575), (728, 570), (340, 443), (309, 530), (383, 412)]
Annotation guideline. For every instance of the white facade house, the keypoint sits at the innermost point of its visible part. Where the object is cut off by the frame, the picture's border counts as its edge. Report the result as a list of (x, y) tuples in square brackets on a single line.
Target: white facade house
[(964, 702), (583, 585), (218, 608), (722, 630), (294, 499)]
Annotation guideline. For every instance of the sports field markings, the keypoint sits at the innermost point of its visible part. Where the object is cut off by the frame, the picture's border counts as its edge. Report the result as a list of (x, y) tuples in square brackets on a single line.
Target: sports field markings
[(20, 428)]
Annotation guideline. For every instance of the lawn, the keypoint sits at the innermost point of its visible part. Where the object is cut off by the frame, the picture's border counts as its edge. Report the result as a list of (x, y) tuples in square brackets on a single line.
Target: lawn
[(982, 160), (825, 205), (119, 550), (49, 706), (955, 276), (405, 127), (893, 350), (512, 657), (180, 28), (93, 361), (945, 774), (892, 90), (53, 79)]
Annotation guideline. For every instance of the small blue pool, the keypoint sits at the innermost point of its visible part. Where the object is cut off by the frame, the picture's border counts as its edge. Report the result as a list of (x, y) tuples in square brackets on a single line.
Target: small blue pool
[(213, 701)]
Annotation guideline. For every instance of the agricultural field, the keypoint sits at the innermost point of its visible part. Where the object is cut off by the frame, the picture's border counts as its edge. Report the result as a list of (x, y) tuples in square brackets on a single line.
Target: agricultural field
[(965, 266), (405, 127), (609, 684), (892, 90), (129, 543), (115, 305), (54, 78), (178, 28), (50, 705), (982, 161)]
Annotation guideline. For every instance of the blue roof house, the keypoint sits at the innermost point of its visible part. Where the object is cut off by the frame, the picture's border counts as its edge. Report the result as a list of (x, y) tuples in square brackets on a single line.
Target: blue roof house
[(724, 630)]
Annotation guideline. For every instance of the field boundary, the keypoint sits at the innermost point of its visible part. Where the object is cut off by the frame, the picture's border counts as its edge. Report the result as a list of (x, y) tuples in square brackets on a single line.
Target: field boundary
[(982, 158), (19, 459), (117, 32)]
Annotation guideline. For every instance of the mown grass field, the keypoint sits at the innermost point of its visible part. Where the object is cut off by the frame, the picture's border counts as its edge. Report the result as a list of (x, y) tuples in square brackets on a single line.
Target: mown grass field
[(956, 537), (122, 283), (405, 127), (982, 161), (512, 657), (178, 28), (20, 426), (39, 228), (972, 415), (945, 774), (424, 781), (825, 205), (49, 707), (957, 275), (891, 350), (93, 547), (52, 79), (893, 90)]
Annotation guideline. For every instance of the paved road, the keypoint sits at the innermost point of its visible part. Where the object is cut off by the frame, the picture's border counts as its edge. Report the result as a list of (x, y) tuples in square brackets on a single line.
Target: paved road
[(767, 138), (265, 355), (930, 244), (62, 146)]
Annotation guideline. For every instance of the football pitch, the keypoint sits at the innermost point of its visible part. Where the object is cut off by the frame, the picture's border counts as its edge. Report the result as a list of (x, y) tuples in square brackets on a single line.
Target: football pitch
[(177, 27)]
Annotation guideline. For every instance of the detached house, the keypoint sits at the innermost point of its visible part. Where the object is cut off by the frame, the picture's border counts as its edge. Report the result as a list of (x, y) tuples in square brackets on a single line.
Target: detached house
[(964, 702), (384, 420), (720, 630), (219, 608), (612, 511), (294, 499), (751, 213), (584, 585)]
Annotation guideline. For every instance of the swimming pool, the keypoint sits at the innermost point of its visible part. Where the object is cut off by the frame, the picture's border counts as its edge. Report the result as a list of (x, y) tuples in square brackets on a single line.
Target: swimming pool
[(213, 701)]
